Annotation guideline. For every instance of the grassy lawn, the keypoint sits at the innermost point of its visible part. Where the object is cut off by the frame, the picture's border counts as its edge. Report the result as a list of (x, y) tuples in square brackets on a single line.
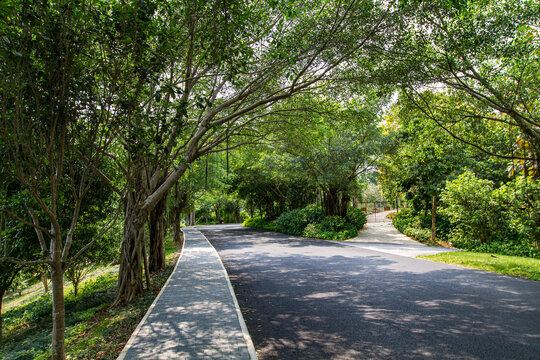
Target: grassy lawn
[(526, 268), (94, 330)]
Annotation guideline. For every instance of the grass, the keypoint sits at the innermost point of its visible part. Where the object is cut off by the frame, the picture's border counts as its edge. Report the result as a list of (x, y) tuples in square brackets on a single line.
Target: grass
[(522, 267), (94, 329)]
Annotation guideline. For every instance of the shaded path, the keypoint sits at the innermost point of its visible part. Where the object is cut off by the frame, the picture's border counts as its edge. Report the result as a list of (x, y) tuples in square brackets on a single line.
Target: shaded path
[(309, 299), (195, 315)]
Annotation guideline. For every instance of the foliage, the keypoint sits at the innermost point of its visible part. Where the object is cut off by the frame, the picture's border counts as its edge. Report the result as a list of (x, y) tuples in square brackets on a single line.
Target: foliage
[(477, 217), (470, 206), (105, 328), (522, 267), (260, 223), (520, 201), (418, 225), (356, 217), (485, 54), (311, 222), (331, 228), (292, 222), (272, 185)]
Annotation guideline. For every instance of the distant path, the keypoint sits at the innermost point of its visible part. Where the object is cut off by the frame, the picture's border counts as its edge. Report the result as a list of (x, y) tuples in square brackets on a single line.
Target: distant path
[(379, 234), (310, 299)]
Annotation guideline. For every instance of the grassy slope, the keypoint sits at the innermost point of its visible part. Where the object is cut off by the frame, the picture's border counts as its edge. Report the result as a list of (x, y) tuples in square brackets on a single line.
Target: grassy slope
[(526, 268), (94, 330)]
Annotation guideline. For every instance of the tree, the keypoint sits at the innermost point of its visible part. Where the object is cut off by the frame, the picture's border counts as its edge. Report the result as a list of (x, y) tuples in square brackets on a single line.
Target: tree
[(485, 53), (198, 73), (345, 145), (272, 182), (427, 157), (51, 103)]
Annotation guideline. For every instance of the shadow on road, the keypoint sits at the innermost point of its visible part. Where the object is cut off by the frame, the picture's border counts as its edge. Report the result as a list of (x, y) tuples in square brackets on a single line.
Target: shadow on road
[(312, 299)]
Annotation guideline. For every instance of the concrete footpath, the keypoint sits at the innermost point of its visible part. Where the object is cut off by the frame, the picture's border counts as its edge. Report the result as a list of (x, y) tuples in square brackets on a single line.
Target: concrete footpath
[(379, 234), (196, 315)]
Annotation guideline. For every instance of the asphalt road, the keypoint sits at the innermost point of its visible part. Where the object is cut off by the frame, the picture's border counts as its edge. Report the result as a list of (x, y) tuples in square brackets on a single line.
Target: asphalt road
[(310, 299)]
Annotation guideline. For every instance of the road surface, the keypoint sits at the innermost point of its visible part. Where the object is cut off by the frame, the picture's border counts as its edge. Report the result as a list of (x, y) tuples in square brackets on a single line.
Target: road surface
[(312, 299)]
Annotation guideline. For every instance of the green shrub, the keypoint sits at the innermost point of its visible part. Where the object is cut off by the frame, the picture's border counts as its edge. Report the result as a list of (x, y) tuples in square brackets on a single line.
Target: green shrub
[(418, 233), (356, 217), (418, 226), (292, 222), (520, 202), (312, 231), (320, 231), (403, 219), (259, 223), (313, 213), (333, 223), (469, 204), (311, 222)]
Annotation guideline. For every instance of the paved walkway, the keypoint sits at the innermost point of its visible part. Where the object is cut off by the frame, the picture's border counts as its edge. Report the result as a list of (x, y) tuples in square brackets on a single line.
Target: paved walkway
[(379, 234), (196, 315)]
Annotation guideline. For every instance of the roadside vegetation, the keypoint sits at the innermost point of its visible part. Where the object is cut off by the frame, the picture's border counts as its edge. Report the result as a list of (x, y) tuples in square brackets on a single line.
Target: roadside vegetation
[(94, 328), (523, 267), (121, 121), (310, 222)]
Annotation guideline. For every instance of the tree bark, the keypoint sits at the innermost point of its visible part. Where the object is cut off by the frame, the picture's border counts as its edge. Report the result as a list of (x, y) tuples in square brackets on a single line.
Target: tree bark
[(130, 282), (145, 263), (44, 281), (2, 292), (334, 202), (433, 218), (177, 230), (58, 311), (218, 213), (157, 226)]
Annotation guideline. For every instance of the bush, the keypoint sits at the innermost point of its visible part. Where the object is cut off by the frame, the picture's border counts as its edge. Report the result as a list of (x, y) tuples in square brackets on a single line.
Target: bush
[(419, 234), (311, 222), (520, 201), (313, 213), (259, 223), (418, 226), (403, 219), (319, 231), (356, 217), (292, 222), (503, 221), (470, 206)]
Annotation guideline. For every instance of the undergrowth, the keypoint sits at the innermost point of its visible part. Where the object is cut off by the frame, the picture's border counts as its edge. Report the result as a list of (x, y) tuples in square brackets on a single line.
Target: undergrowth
[(94, 329)]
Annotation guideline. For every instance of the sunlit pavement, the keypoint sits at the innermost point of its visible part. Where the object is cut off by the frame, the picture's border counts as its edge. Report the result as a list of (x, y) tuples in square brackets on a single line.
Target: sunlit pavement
[(314, 299), (379, 234)]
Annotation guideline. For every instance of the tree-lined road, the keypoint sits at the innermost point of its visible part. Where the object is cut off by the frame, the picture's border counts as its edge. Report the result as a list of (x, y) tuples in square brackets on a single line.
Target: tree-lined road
[(310, 299)]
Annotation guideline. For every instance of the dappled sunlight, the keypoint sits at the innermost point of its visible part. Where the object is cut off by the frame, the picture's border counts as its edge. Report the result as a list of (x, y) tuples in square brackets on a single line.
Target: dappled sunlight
[(326, 299), (195, 315)]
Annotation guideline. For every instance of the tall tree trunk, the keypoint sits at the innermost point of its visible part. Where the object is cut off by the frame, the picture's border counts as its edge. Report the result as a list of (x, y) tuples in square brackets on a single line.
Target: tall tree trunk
[(344, 203), (218, 213), (157, 226), (192, 219), (145, 263), (58, 310), (177, 229), (180, 199), (130, 282), (44, 281), (2, 292), (433, 218)]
